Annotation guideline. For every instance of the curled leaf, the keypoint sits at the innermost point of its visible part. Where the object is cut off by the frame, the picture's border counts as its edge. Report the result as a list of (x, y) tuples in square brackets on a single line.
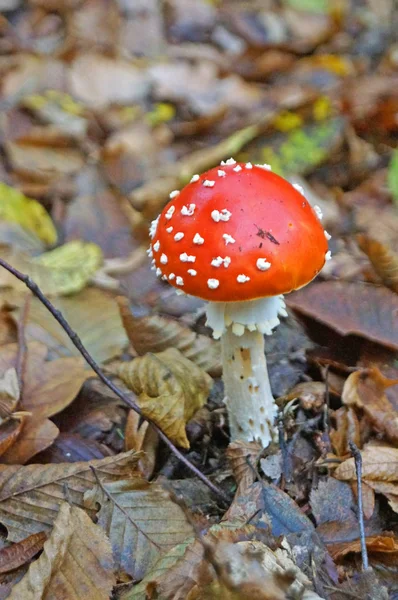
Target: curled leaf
[(384, 261), (170, 389), (156, 333)]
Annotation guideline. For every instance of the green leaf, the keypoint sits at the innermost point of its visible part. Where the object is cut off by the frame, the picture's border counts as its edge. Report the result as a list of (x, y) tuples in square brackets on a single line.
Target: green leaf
[(392, 177), (17, 208), (313, 6)]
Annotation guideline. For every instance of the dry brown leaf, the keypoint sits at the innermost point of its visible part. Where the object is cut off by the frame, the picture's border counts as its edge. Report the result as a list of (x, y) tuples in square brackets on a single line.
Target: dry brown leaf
[(156, 333), (10, 431), (374, 543), (347, 429), (36, 436), (30, 496), (351, 308), (49, 386), (365, 389), (9, 392), (141, 520), (379, 463), (18, 554), (98, 80), (170, 389), (368, 498), (384, 260), (141, 437), (310, 393), (92, 313), (241, 456), (76, 562)]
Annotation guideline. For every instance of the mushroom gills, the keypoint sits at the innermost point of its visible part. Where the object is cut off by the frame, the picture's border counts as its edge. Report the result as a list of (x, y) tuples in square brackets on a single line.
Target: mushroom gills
[(253, 315)]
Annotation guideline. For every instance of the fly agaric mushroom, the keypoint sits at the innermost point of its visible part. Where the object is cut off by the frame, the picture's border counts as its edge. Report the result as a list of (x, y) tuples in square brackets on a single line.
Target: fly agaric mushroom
[(240, 236)]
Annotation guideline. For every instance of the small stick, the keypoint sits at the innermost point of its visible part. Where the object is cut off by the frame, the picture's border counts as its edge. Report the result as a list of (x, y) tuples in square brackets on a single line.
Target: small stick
[(58, 316), (22, 347), (358, 468)]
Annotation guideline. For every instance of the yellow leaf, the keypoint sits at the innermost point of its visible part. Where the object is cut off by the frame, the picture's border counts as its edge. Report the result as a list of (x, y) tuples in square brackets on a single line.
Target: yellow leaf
[(28, 213), (170, 388), (65, 270)]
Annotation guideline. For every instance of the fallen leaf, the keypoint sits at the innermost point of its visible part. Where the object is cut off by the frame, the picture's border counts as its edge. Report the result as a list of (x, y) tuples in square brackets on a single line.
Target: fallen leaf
[(30, 496), (10, 430), (365, 389), (18, 554), (98, 81), (36, 435), (311, 395), (242, 457), (156, 333), (379, 463), (76, 562), (65, 270), (374, 543), (46, 163), (384, 261), (139, 436), (93, 314), (346, 430), (49, 386), (17, 208), (9, 392), (141, 520), (351, 308), (170, 389), (392, 176)]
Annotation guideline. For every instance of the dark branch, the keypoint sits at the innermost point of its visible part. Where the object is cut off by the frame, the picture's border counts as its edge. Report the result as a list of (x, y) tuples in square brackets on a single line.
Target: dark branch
[(358, 468), (34, 288)]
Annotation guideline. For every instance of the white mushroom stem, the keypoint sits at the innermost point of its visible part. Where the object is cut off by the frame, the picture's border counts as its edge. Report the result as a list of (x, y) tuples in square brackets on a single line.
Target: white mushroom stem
[(241, 326), (251, 406)]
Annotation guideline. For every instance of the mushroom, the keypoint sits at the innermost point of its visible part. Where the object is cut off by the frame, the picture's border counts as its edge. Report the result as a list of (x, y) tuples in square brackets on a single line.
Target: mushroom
[(240, 236)]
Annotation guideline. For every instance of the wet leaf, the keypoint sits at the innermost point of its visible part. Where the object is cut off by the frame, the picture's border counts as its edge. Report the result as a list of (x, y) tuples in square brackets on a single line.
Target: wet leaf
[(366, 390), (76, 562), (351, 308), (65, 270), (170, 388), (20, 553), (156, 333), (141, 522), (384, 261), (17, 208), (30, 496)]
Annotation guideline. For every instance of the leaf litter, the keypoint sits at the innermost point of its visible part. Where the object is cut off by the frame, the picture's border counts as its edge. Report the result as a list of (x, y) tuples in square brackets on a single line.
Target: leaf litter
[(107, 107)]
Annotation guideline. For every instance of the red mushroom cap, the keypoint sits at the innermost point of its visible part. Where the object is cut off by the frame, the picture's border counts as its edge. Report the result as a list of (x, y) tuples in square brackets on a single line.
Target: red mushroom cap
[(238, 232)]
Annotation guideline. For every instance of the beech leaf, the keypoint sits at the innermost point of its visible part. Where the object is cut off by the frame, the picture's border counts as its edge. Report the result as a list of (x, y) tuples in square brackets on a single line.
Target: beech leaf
[(351, 308), (384, 261), (379, 463), (156, 333), (30, 214), (76, 562), (170, 389), (30, 496), (141, 521), (366, 390), (18, 554), (65, 270)]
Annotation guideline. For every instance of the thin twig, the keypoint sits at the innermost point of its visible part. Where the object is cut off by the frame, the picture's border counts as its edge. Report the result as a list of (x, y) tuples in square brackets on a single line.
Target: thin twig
[(358, 468), (121, 508), (36, 291), (22, 347)]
